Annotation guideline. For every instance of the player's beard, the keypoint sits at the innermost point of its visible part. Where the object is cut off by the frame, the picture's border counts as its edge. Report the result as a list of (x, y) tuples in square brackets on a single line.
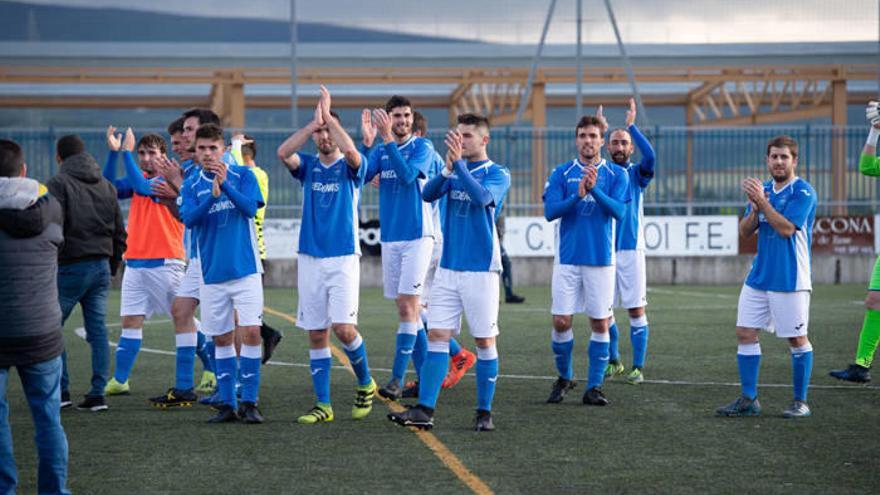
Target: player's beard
[(620, 157), (327, 148), (401, 131)]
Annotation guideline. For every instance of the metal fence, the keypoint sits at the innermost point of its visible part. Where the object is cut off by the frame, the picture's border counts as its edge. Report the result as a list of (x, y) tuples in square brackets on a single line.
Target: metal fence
[(720, 159)]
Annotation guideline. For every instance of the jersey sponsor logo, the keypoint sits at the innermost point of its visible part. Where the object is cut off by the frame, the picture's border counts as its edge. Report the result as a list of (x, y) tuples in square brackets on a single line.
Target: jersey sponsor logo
[(388, 174), (221, 206), (459, 195), (325, 188)]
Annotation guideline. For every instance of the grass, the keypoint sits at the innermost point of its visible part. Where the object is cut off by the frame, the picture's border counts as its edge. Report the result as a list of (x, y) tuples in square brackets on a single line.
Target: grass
[(652, 438)]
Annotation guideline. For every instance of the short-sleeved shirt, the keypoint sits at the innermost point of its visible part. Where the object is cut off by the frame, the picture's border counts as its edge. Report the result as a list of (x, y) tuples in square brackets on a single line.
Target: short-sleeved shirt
[(783, 264), (586, 232), (330, 206)]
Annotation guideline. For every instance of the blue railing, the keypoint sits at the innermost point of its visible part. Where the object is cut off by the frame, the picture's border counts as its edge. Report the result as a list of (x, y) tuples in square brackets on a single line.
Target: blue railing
[(721, 158)]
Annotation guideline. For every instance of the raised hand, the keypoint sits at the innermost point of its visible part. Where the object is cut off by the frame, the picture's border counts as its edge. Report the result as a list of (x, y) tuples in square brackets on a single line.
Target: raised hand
[(240, 137), (601, 117), (114, 141), (754, 190), (129, 141), (164, 190), (631, 113), (383, 123), (872, 113), (368, 130), (318, 120), (324, 100), (169, 169), (453, 147), (588, 180)]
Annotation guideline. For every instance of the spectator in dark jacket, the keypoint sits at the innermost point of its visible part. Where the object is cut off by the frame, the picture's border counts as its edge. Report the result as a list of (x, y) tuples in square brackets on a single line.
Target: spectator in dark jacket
[(30, 318), (94, 240)]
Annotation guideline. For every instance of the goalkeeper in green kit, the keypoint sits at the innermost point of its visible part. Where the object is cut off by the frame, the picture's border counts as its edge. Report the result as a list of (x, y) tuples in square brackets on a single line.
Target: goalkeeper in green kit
[(869, 164)]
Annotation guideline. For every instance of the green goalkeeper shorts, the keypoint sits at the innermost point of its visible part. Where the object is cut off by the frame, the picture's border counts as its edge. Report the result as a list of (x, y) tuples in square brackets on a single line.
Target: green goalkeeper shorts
[(875, 276)]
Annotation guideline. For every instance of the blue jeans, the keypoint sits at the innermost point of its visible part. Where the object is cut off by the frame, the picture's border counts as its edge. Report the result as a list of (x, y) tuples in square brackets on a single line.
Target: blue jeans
[(88, 283), (40, 382)]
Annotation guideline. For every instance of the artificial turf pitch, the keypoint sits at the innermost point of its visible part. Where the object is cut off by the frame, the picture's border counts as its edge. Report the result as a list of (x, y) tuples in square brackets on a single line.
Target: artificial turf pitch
[(658, 437)]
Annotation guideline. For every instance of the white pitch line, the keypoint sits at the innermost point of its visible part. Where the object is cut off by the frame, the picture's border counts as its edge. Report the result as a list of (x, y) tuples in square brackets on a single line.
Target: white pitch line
[(80, 331)]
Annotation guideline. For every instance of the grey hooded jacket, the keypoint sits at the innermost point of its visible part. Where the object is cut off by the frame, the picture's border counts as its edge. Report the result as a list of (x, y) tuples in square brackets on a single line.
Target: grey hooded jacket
[(31, 229)]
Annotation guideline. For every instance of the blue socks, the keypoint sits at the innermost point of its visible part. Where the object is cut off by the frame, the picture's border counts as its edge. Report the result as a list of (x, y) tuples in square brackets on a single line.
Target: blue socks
[(319, 363), (748, 358), (357, 356), (225, 362), (249, 372), (801, 367), (563, 345), (433, 372), (487, 375), (454, 347), (205, 351), (598, 354), (420, 350), (614, 336), (406, 339), (185, 361), (126, 352), (638, 335)]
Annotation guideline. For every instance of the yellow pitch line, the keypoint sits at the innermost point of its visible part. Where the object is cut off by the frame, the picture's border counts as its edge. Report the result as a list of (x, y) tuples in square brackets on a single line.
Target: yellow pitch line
[(440, 450)]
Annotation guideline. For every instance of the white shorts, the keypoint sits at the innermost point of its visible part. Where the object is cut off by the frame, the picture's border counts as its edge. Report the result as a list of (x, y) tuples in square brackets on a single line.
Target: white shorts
[(221, 301), (630, 286), (189, 286), (328, 291), (436, 254), (475, 293), (785, 313), (404, 266), (149, 291), (582, 289)]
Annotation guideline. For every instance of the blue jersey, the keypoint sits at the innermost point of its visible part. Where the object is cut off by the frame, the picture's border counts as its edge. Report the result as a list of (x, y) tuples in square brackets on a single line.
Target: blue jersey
[(586, 230), (330, 206), (403, 171), (190, 168), (438, 206), (470, 241), (629, 228), (783, 265), (226, 235)]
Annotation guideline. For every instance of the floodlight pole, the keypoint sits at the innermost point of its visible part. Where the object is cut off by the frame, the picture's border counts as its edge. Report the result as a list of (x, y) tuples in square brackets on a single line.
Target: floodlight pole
[(643, 116), (528, 93), (294, 121), (579, 99)]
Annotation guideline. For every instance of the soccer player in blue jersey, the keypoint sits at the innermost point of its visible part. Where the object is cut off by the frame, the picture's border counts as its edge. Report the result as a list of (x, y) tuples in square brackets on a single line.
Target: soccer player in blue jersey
[(468, 277), (328, 264), (462, 359), (402, 163), (776, 293), (587, 195), (222, 202), (630, 282)]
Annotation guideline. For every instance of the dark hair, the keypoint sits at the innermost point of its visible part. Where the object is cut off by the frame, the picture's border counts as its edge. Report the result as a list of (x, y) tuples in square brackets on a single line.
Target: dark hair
[(70, 145), (249, 149), (11, 158), (783, 141), (420, 123), (396, 101), (474, 120), (204, 115), (210, 131), (176, 126), (153, 141), (590, 121)]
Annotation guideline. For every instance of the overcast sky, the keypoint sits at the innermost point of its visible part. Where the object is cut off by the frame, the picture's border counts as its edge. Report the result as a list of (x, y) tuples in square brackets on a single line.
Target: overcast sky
[(521, 21)]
